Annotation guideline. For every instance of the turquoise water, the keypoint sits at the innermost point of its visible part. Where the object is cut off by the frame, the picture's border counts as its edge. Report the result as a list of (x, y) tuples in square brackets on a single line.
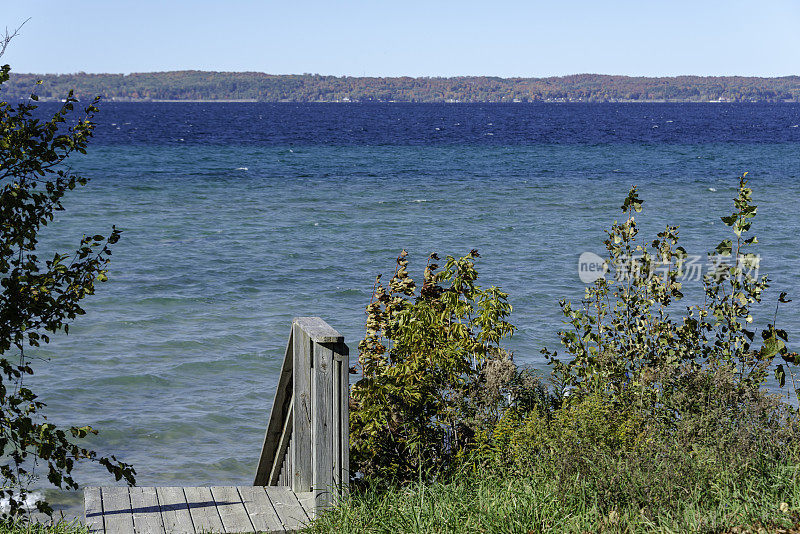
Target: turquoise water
[(177, 357)]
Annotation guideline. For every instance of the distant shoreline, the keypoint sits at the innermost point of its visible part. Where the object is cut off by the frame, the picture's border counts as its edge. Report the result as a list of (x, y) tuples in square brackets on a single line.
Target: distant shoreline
[(203, 86), (358, 102)]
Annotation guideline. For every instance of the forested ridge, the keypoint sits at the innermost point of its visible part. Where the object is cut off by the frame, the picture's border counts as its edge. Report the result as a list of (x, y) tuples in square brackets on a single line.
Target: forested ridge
[(203, 85)]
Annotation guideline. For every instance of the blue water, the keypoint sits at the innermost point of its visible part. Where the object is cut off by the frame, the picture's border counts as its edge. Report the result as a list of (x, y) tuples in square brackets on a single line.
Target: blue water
[(237, 217)]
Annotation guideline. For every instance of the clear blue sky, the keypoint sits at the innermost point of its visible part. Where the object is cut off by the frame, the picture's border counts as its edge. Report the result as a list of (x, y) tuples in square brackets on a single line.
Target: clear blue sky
[(408, 37)]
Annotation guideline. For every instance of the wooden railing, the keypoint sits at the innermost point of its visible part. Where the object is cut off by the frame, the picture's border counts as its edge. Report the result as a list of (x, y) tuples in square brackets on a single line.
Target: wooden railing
[(307, 444)]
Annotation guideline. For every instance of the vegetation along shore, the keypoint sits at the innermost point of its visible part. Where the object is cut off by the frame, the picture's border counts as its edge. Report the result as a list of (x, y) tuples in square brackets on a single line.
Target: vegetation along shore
[(238, 86)]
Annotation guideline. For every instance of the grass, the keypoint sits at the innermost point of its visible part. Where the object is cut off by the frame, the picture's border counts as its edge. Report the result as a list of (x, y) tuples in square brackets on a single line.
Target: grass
[(491, 502), (61, 526)]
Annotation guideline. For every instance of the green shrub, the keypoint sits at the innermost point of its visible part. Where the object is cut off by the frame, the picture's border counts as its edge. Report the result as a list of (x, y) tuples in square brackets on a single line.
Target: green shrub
[(624, 343), (648, 408), (432, 371)]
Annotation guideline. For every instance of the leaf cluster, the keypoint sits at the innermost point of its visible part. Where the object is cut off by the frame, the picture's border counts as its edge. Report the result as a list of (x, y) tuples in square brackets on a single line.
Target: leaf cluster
[(40, 297), (425, 354)]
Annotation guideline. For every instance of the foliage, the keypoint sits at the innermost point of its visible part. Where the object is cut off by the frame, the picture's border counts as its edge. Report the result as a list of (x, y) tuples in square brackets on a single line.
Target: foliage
[(623, 342), (492, 501), (422, 358), (655, 419), (39, 298), (648, 409), (522, 440), (201, 85)]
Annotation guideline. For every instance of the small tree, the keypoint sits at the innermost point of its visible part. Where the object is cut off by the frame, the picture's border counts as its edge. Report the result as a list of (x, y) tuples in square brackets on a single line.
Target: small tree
[(421, 358), (625, 345), (39, 298)]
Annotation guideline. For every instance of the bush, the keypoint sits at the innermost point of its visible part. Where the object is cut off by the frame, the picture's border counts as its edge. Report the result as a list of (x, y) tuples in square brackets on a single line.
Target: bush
[(433, 371), (647, 409)]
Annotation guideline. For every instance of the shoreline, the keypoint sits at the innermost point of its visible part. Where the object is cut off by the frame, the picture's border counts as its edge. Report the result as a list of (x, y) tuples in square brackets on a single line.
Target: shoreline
[(538, 102)]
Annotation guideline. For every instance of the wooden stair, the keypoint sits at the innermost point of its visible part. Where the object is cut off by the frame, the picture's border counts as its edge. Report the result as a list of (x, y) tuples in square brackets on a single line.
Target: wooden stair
[(303, 468)]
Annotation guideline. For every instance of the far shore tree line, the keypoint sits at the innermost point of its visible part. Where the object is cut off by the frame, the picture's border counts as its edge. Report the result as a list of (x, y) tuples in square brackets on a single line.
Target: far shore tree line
[(255, 86)]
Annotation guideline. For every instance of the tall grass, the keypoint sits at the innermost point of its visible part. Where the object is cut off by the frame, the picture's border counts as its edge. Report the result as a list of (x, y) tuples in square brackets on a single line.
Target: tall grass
[(486, 501), (61, 526)]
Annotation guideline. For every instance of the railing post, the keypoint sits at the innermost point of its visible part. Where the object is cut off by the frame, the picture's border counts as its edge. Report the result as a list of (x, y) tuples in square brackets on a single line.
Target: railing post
[(302, 475), (307, 445)]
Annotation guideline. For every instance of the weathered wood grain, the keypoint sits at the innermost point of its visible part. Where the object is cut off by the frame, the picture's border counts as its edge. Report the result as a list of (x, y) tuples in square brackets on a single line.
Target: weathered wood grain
[(260, 509), (277, 415), (93, 509), (318, 330), (174, 511), (203, 510), (343, 353), (302, 477), (336, 422), (146, 511), (288, 507), (231, 509), (117, 514), (289, 464), (322, 431), (283, 444), (307, 501), (207, 509)]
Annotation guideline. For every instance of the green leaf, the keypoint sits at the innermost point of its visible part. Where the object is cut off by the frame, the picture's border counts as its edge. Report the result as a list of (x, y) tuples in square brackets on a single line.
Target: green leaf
[(772, 345), (780, 375), (725, 248)]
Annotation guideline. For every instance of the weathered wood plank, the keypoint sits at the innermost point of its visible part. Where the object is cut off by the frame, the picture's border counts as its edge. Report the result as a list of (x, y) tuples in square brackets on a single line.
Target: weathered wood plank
[(289, 460), (336, 421), (145, 509), (288, 508), (307, 501), (93, 509), (117, 514), (203, 510), (231, 509), (318, 330), (322, 426), (344, 417), (277, 415), (283, 444), (302, 477), (174, 511), (260, 509)]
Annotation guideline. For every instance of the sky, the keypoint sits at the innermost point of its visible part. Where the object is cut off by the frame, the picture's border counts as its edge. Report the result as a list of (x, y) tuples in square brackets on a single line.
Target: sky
[(407, 38)]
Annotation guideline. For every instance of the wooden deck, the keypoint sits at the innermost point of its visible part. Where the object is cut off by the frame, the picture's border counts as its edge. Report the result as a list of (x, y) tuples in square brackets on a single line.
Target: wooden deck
[(304, 463), (123, 510)]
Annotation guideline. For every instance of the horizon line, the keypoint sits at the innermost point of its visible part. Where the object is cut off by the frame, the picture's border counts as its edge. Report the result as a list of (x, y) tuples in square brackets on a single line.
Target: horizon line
[(444, 77)]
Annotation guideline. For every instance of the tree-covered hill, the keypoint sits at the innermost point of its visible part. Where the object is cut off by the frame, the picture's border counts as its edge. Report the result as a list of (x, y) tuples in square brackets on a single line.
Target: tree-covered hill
[(202, 85)]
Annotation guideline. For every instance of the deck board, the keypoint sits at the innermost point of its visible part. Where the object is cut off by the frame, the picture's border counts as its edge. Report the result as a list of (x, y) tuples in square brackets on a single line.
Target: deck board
[(174, 511), (146, 512), (229, 509), (289, 509), (93, 509), (117, 514), (203, 509), (260, 509)]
